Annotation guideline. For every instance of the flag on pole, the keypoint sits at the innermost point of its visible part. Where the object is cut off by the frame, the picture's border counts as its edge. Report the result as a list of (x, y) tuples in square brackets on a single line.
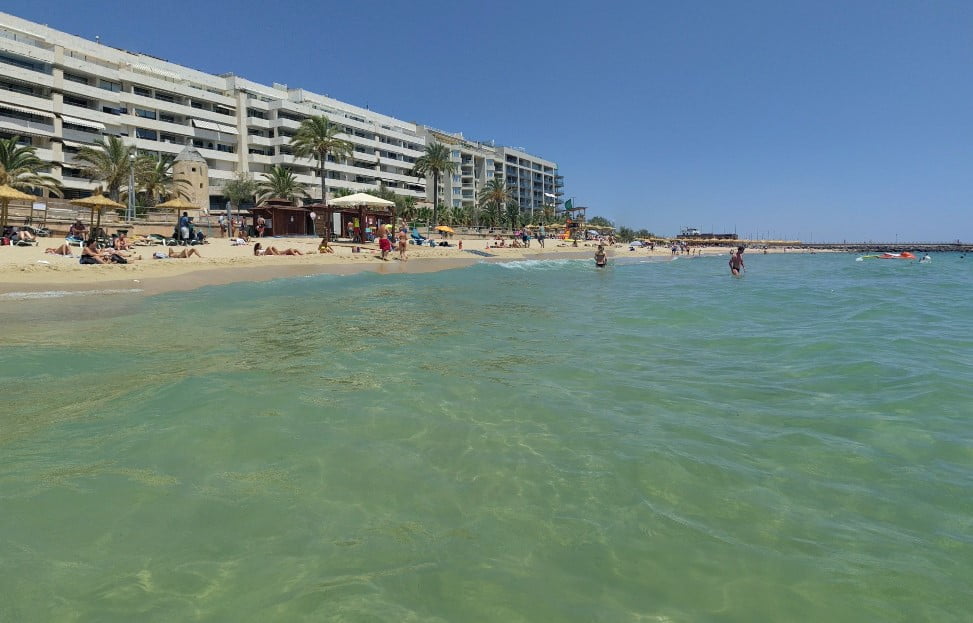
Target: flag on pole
[(569, 204)]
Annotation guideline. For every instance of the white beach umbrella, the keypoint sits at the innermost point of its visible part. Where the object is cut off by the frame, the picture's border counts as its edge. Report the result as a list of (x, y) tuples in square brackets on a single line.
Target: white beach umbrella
[(361, 199)]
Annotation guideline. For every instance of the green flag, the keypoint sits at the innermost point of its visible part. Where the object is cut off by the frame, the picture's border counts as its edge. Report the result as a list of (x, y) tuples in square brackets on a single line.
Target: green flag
[(569, 204)]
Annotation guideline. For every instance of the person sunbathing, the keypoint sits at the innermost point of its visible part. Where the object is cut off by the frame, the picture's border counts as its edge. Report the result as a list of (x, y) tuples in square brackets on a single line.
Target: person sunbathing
[(324, 247), (64, 249), (258, 250), (121, 243), (185, 253)]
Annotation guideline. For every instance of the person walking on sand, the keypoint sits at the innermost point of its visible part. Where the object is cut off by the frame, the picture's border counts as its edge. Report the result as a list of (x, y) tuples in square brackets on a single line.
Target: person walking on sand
[(403, 243), (736, 262), (385, 245)]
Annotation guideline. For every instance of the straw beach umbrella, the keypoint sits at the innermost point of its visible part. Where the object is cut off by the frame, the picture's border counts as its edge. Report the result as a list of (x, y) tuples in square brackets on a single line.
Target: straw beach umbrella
[(8, 194), (177, 204), (97, 202)]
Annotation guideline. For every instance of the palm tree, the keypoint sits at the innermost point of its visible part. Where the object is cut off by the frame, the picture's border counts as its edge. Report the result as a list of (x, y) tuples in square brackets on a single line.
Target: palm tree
[(108, 162), (436, 161), (19, 168), (513, 215), (494, 197), (154, 175), (316, 138), (241, 188), (548, 213), (280, 182)]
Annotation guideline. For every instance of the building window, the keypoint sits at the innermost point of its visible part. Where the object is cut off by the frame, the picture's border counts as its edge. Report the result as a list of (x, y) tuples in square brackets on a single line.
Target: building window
[(109, 85), (142, 91), (167, 118), (151, 135), (77, 101), (16, 87), (79, 128), (75, 78), (146, 114)]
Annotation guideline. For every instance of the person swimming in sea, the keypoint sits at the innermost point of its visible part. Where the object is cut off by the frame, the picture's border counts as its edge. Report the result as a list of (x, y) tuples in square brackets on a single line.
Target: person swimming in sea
[(736, 262), (601, 258)]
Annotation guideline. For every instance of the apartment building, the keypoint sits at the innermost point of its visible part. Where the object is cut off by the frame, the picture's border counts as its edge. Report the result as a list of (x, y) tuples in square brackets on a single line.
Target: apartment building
[(533, 181), (59, 92)]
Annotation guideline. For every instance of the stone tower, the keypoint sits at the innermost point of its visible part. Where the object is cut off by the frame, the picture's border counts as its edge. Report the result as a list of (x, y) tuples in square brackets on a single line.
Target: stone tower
[(190, 166)]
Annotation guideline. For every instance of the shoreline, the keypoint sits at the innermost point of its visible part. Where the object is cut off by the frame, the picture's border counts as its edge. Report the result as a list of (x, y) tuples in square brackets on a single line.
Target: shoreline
[(30, 270)]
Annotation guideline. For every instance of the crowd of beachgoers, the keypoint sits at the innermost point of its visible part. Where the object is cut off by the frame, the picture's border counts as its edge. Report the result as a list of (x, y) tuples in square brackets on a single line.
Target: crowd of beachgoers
[(81, 260)]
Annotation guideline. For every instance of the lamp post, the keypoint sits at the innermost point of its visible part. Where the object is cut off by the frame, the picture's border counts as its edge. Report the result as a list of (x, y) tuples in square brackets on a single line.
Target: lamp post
[(131, 188)]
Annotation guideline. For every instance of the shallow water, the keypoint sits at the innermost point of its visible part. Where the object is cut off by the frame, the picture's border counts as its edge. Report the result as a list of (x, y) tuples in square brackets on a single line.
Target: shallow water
[(532, 441)]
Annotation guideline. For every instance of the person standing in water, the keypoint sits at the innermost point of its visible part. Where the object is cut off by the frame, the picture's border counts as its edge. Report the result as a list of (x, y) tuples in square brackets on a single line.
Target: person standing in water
[(601, 258), (736, 262)]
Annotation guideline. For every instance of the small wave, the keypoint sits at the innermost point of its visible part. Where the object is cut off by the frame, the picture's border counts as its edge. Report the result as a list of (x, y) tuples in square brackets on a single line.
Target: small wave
[(539, 264), (56, 294)]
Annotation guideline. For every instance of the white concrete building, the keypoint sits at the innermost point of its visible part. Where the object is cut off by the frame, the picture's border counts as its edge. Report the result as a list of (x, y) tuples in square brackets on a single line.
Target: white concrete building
[(59, 92), (534, 181)]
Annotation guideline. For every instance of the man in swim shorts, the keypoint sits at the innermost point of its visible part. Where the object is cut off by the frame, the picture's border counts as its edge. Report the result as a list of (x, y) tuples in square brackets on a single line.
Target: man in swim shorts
[(736, 262)]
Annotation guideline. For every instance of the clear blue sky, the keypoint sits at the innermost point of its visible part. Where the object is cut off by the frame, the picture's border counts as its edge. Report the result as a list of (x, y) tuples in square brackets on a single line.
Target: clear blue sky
[(807, 119)]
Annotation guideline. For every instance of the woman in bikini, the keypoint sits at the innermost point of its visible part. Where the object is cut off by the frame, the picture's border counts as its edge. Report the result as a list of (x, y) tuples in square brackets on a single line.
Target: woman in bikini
[(185, 253), (258, 250)]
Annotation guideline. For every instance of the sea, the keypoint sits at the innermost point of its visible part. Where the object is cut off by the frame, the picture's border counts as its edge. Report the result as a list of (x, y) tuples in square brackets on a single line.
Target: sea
[(536, 440)]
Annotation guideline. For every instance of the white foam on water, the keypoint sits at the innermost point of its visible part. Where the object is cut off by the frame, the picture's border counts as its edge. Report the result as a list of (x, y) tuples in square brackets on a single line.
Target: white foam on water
[(56, 294), (540, 264)]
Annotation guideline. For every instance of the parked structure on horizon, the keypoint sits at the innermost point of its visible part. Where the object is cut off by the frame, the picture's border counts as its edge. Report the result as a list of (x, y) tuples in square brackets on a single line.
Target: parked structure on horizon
[(59, 92)]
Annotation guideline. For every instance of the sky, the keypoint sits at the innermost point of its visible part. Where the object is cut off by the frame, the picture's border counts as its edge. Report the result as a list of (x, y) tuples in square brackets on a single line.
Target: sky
[(813, 120)]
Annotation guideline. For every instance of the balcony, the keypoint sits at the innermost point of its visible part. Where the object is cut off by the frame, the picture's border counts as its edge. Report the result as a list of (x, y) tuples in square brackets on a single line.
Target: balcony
[(12, 124)]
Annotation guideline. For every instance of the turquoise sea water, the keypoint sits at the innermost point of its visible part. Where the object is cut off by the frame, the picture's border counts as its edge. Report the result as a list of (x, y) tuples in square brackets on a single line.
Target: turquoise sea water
[(534, 441)]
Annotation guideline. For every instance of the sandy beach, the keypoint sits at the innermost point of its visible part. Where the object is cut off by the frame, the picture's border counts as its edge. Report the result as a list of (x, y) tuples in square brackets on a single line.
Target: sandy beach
[(30, 269)]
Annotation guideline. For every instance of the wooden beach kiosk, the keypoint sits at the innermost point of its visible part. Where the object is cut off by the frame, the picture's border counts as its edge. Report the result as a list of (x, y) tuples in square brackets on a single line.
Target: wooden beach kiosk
[(282, 217), (360, 211)]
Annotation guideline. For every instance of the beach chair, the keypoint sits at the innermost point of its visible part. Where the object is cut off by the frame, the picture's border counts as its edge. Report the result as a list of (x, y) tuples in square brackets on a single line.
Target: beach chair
[(416, 237)]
